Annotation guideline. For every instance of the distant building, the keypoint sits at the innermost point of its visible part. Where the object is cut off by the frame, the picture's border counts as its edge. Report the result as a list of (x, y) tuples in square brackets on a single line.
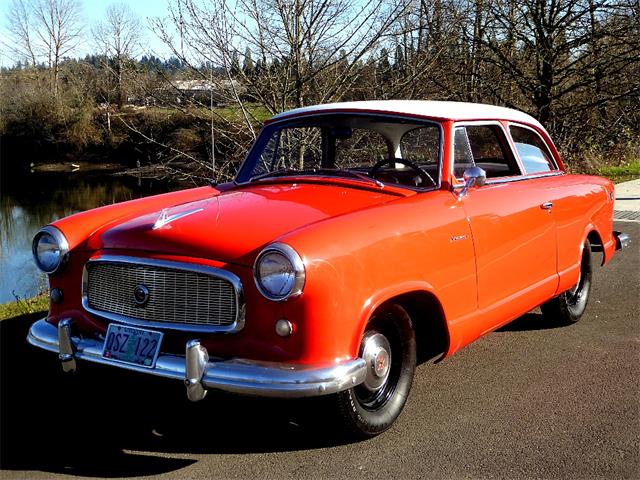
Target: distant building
[(180, 91)]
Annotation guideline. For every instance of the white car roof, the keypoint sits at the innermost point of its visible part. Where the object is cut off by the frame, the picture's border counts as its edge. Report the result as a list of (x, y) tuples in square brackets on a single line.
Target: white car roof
[(458, 111)]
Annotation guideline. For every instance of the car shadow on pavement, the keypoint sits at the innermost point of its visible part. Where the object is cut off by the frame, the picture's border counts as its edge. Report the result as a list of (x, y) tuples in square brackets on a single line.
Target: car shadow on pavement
[(529, 322), (109, 422)]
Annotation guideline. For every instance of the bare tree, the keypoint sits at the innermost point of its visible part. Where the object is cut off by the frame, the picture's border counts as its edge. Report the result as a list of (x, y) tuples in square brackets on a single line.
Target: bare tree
[(549, 49), (428, 36), (294, 52), (21, 32), (58, 27), (118, 37), (295, 45)]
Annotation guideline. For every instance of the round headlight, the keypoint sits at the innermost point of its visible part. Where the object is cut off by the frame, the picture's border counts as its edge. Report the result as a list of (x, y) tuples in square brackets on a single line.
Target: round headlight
[(50, 249), (279, 272)]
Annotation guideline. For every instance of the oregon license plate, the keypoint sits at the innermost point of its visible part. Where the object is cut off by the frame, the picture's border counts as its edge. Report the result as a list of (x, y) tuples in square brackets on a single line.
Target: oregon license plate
[(131, 345)]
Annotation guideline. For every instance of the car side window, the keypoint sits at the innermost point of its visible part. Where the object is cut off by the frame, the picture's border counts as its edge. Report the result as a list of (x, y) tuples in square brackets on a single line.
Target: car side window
[(533, 152), (483, 146), (463, 158)]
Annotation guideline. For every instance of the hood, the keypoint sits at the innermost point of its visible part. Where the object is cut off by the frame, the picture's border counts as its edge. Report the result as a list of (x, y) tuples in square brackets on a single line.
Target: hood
[(235, 225)]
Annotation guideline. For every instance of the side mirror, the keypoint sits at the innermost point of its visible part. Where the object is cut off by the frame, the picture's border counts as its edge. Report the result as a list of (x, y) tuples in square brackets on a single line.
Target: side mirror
[(472, 176)]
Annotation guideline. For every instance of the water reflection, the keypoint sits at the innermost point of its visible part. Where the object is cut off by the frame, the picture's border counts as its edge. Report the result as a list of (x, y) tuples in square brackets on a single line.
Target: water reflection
[(30, 201)]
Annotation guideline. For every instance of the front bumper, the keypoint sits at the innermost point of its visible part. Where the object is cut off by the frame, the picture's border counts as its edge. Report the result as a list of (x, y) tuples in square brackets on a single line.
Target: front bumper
[(199, 372)]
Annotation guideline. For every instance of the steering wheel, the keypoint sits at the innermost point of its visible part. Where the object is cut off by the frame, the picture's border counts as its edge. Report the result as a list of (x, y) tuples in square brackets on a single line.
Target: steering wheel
[(424, 175)]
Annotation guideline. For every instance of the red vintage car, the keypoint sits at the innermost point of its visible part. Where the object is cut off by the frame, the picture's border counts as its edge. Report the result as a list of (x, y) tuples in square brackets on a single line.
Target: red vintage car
[(354, 236)]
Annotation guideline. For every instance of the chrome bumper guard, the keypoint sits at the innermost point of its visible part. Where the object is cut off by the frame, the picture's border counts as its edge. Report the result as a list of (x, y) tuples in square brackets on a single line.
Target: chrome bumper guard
[(198, 372), (622, 240)]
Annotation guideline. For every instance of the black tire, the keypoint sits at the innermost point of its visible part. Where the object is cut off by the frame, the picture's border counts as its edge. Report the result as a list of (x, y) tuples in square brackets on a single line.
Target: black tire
[(365, 411), (569, 306)]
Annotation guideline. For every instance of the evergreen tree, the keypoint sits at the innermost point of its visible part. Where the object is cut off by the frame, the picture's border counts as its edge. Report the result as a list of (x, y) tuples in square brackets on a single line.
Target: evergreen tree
[(260, 67), (343, 62), (383, 63), (399, 60), (235, 63), (247, 65)]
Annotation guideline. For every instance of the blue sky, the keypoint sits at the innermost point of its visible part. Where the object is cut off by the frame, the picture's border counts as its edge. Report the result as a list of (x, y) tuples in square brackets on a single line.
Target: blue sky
[(93, 11), (145, 9)]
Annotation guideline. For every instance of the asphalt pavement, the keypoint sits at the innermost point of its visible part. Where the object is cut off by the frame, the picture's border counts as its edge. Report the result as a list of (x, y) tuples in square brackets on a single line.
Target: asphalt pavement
[(530, 400)]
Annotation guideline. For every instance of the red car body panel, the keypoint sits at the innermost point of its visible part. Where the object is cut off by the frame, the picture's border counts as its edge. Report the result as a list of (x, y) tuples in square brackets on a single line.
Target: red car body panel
[(486, 258), (238, 222)]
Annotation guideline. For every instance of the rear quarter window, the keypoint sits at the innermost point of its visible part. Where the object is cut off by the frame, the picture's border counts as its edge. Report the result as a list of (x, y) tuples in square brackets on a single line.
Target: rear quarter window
[(532, 150)]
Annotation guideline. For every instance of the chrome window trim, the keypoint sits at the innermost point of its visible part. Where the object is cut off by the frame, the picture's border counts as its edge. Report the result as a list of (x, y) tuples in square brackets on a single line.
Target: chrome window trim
[(397, 116), (236, 326), (526, 127), (520, 178), (480, 123)]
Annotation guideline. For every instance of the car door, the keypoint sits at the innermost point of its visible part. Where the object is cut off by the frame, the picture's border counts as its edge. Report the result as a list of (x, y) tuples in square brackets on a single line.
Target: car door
[(536, 159), (513, 230)]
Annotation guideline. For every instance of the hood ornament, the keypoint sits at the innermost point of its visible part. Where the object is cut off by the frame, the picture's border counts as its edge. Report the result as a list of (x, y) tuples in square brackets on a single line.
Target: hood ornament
[(165, 218)]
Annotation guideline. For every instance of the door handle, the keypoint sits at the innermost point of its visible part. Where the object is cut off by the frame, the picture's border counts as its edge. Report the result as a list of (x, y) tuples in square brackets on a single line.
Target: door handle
[(547, 206)]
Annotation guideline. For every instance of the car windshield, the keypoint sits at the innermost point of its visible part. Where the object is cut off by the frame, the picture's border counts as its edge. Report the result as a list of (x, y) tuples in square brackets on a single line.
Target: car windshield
[(366, 148)]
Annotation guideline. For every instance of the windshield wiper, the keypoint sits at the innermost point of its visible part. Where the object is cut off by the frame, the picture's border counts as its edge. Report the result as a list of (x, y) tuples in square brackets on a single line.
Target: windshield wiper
[(364, 177), (345, 172), (281, 172)]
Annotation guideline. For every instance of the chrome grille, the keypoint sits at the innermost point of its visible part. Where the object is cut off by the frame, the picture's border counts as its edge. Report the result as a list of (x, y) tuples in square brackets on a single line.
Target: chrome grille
[(177, 296)]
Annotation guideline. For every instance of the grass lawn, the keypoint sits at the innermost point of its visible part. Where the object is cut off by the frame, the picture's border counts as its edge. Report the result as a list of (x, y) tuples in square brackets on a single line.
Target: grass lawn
[(621, 173), (230, 112), (23, 307)]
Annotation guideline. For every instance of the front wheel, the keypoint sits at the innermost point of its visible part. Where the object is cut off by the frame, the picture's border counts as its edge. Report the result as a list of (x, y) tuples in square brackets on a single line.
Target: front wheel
[(569, 306), (389, 348)]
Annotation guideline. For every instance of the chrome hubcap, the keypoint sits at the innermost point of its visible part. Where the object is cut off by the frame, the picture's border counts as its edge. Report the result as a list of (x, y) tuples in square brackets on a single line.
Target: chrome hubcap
[(376, 352)]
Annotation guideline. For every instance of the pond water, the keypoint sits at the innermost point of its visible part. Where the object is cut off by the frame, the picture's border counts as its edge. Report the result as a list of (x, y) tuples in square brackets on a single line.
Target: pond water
[(30, 201)]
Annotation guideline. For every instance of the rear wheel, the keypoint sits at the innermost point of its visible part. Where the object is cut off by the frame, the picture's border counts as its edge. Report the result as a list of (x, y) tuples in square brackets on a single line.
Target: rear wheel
[(569, 306), (389, 348)]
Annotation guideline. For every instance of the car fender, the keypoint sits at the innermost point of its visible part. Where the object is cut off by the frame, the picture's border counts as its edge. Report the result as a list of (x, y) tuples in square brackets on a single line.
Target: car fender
[(388, 294)]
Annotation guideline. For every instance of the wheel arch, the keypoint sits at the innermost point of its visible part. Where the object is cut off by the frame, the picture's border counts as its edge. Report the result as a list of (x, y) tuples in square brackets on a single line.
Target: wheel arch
[(596, 244), (428, 319)]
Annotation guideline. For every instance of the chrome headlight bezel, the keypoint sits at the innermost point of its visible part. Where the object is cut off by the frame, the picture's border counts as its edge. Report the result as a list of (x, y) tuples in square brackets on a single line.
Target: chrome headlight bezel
[(297, 270), (61, 244)]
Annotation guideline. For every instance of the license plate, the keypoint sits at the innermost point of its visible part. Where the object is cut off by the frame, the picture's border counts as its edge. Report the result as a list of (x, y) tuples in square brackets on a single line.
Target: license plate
[(131, 345)]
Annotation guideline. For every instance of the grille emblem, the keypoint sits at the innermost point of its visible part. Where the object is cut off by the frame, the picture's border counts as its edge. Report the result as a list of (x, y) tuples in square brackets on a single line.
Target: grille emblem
[(141, 295)]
